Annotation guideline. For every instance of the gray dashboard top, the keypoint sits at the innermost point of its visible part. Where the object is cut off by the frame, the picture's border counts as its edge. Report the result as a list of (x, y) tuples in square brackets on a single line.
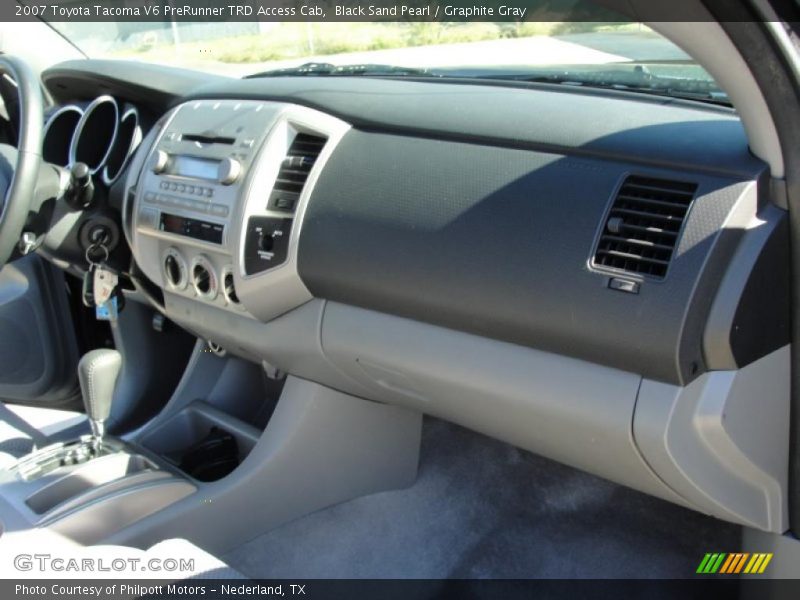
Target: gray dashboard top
[(607, 124)]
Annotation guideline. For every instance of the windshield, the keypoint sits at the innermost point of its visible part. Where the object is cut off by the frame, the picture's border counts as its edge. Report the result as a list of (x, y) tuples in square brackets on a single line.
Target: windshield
[(602, 54)]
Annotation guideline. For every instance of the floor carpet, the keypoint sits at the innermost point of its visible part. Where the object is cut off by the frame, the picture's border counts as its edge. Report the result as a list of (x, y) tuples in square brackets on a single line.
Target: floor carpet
[(484, 509)]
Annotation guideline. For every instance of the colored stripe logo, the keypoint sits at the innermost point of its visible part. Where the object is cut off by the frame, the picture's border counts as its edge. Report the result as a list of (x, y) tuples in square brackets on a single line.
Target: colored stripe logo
[(733, 563)]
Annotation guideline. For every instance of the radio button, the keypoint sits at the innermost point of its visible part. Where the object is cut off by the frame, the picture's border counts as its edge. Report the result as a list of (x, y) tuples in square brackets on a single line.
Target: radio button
[(148, 217), (218, 210), (159, 161), (229, 171)]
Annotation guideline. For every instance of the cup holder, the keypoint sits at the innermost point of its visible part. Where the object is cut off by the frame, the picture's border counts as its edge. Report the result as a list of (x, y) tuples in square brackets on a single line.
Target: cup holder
[(210, 459), (202, 441)]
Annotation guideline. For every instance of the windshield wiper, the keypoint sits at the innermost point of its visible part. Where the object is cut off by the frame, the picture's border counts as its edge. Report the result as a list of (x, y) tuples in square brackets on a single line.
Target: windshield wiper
[(640, 81), (313, 69)]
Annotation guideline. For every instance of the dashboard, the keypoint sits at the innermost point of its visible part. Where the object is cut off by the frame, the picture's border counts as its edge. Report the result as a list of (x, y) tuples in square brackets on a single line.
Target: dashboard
[(564, 269)]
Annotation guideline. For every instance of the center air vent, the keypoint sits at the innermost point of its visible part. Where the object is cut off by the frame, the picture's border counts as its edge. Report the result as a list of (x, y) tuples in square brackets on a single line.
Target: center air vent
[(296, 166), (642, 227)]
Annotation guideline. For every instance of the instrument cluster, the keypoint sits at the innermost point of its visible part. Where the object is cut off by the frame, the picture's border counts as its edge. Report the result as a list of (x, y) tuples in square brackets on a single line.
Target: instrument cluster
[(101, 133)]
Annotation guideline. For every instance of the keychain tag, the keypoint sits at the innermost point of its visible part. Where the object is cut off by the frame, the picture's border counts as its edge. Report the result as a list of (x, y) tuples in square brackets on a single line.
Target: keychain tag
[(87, 291), (105, 282), (108, 311)]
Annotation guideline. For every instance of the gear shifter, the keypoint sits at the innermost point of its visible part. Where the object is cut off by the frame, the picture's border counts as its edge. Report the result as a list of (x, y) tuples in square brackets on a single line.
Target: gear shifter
[(97, 374)]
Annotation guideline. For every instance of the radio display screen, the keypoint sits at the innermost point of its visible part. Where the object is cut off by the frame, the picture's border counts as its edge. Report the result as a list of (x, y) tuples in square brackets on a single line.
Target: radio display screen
[(194, 228), (194, 168)]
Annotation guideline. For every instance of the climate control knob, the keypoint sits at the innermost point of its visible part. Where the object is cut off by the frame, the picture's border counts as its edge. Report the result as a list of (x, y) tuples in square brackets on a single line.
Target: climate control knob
[(204, 279), (229, 287), (172, 269), (175, 270)]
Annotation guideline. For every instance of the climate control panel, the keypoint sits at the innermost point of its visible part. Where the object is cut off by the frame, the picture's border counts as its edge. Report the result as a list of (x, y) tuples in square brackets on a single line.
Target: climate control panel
[(200, 276)]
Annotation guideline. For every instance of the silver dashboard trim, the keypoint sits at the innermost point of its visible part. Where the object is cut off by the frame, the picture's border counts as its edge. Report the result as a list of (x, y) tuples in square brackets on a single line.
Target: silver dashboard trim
[(275, 291), (129, 113), (76, 135), (52, 119)]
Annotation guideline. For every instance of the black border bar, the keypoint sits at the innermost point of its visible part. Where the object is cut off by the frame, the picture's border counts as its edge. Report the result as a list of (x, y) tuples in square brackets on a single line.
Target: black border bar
[(400, 10)]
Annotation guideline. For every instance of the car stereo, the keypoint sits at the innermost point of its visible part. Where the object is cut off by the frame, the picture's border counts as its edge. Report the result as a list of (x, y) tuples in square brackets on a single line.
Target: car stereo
[(195, 169)]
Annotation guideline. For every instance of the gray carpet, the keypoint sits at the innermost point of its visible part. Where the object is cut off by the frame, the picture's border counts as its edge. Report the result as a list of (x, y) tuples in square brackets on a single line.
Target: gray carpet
[(484, 509)]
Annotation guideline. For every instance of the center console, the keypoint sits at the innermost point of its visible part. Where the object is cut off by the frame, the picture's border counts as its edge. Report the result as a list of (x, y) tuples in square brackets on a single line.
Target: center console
[(217, 206), (86, 499), (230, 455), (91, 487), (95, 484)]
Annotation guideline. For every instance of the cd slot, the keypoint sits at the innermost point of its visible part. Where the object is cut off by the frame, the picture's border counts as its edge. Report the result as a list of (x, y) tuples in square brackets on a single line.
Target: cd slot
[(207, 139)]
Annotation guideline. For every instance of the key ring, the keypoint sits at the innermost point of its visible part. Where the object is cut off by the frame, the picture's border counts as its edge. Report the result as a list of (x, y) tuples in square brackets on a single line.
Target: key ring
[(91, 249)]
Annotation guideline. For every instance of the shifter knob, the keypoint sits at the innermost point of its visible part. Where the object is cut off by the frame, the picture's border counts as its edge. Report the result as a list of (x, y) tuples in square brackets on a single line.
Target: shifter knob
[(97, 374)]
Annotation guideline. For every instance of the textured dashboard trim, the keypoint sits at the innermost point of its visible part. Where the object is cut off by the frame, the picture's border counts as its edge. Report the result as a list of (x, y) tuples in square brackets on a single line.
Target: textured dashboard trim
[(494, 242), (608, 124)]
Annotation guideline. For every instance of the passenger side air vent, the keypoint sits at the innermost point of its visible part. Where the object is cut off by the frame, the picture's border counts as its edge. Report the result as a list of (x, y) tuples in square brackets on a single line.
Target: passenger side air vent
[(642, 227), (296, 166)]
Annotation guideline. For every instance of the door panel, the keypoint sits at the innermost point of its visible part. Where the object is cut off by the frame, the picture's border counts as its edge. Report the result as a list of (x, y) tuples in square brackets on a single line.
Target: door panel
[(38, 349)]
